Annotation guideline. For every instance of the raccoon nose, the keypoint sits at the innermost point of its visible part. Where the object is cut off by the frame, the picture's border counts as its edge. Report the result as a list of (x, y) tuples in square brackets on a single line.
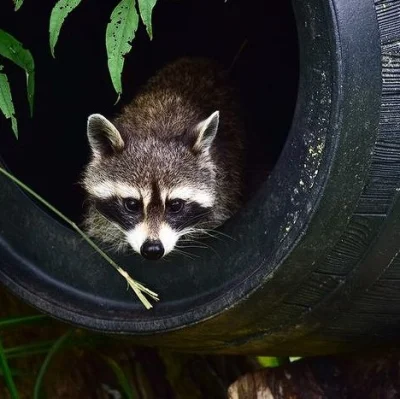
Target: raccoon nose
[(152, 250)]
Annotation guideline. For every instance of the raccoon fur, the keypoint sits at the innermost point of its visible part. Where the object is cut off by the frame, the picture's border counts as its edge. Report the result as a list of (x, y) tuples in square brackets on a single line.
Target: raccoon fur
[(170, 165)]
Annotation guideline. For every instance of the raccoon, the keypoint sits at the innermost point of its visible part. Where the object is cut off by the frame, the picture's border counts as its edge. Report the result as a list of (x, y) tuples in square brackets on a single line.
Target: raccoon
[(170, 165)]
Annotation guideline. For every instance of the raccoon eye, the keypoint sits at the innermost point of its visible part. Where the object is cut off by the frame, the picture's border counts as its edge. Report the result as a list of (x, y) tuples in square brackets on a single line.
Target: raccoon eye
[(131, 204), (175, 205)]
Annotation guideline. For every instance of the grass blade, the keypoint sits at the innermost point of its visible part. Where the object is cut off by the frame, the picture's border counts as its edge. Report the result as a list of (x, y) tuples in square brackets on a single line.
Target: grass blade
[(36, 348), (7, 374), (17, 321), (58, 14), (121, 377), (146, 11), (43, 347), (6, 102), (13, 50), (137, 287), (57, 346), (14, 373), (119, 34)]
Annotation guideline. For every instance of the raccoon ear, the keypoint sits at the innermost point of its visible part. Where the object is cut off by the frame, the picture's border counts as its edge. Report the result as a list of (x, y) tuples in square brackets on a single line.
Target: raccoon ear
[(103, 136), (205, 132)]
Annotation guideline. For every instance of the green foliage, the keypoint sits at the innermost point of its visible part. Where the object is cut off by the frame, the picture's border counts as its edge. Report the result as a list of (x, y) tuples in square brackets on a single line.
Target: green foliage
[(18, 4), (120, 31), (51, 348), (14, 373), (267, 361), (7, 374), (119, 34), (13, 50), (123, 381), (6, 103), (146, 10), (24, 320), (57, 17), (56, 348), (37, 348)]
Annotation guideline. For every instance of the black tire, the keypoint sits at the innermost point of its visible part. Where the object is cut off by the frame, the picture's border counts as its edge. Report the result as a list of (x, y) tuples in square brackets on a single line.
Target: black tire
[(313, 266)]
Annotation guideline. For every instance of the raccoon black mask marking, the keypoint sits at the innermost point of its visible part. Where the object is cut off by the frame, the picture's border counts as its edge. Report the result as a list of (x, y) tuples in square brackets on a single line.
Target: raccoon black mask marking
[(170, 165)]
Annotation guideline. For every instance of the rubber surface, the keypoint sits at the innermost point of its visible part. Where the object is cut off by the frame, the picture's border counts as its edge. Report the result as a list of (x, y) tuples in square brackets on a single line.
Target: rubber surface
[(313, 264)]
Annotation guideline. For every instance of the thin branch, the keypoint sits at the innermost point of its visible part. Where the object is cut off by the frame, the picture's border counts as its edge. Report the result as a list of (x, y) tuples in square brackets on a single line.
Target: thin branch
[(137, 287)]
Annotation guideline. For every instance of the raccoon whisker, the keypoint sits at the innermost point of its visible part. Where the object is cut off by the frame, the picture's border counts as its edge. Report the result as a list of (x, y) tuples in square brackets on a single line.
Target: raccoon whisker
[(201, 232), (214, 250), (214, 233), (109, 238), (109, 243), (109, 220), (106, 248), (111, 232), (190, 236), (190, 221), (193, 232), (192, 246), (200, 245), (201, 216), (184, 253), (118, 246), (187, 231), (191, 224), (222, 234), (187, 239)]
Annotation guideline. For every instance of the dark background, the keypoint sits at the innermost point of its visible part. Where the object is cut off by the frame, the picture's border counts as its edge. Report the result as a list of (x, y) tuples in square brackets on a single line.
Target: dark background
[(52, 148)]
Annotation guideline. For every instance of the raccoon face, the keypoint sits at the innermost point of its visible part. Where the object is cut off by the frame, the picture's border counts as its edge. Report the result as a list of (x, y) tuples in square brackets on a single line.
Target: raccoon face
[(147, 191)]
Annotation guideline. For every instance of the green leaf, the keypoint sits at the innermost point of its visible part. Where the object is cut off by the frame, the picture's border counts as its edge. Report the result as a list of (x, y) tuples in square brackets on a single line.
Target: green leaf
[(119, 34), (7, 374), (121, 377), (18, 4), (266, 361), (146, 9), (58, 345), (6, 103), (12, 49), (58, 14)]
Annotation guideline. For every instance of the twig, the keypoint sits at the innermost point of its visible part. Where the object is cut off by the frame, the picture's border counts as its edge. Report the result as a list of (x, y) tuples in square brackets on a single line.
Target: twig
[(137, 287)]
